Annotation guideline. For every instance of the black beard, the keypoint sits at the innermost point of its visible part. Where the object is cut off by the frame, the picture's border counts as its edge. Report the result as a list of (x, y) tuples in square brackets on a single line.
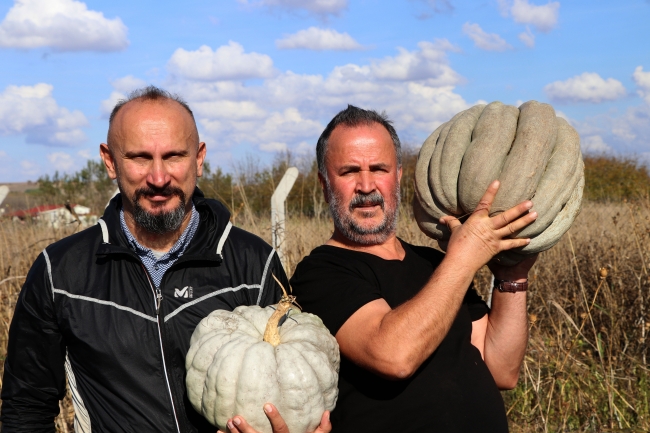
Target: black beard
[(160, 223), (344, 222)]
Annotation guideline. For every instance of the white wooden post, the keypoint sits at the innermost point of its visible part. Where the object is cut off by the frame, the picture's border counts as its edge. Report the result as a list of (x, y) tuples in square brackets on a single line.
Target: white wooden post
[(4, 190), (277, 209)]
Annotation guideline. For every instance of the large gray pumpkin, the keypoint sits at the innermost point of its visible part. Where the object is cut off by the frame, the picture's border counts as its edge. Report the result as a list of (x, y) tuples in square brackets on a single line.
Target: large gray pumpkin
[(535, 155), (240, 360)]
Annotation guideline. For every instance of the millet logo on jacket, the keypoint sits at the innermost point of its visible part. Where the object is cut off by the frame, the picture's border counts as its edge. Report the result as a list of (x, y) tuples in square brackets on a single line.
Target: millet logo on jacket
[(185, 292)]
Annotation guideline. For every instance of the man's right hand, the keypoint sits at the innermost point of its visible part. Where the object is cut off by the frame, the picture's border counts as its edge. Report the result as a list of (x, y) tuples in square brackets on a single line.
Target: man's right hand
[(238, 424), (482, 237)]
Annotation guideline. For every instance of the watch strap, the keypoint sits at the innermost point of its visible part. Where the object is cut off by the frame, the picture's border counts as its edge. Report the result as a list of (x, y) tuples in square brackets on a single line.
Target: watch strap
[(510, 286)]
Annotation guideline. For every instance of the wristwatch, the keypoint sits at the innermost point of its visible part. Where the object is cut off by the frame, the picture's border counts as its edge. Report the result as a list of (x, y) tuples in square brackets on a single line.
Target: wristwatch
[(510, 286)]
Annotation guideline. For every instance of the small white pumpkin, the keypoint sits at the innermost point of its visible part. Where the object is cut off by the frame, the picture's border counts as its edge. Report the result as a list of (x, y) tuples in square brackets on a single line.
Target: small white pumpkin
[(240, 360)]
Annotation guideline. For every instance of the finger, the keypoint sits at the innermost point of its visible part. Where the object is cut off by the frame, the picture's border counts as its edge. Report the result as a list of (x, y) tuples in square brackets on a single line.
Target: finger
[(486, 201), (508, 244), (325, 425), (516, 225), (506, 217), (239, 425), (451, 222), (277, 423)]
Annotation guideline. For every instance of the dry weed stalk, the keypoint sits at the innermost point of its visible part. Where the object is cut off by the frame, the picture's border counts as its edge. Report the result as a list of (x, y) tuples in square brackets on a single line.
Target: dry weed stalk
[(585, 369)]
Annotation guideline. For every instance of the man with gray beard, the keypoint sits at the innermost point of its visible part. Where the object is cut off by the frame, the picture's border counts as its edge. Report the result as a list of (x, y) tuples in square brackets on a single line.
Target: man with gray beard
[(112, 308), (420, 350)]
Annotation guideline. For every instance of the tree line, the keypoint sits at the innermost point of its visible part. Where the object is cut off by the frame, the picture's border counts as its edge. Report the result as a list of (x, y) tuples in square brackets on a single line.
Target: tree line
[(247, 187)]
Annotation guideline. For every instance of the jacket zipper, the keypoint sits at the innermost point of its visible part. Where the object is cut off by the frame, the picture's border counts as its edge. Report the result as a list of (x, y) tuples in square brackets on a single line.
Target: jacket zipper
[(157, 301)]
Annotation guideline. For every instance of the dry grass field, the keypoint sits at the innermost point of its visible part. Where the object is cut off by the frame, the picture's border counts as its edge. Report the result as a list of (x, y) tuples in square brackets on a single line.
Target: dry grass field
[(586, 365)]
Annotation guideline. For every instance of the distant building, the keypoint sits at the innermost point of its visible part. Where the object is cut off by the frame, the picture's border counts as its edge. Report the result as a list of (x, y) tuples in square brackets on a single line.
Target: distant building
[(56, 215)]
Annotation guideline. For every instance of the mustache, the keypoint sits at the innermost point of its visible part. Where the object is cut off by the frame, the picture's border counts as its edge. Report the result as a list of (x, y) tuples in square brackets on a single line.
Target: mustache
[(371, 199), (167, 191)]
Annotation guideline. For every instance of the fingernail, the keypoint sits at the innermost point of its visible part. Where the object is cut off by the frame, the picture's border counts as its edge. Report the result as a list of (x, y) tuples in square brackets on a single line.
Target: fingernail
[(230, 426), (237, 421), (533, 214), (268, 408)]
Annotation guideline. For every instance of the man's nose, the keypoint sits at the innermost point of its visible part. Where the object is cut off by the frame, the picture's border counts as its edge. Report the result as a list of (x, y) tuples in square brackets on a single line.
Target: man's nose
[(365, 182), (158, 175)]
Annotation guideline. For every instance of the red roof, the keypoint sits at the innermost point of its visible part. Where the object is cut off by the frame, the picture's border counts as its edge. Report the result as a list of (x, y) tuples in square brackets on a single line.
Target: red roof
[(36, 210)]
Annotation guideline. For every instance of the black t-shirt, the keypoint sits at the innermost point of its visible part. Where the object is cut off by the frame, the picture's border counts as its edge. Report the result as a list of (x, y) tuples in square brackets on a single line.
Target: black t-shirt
[(452, 391)]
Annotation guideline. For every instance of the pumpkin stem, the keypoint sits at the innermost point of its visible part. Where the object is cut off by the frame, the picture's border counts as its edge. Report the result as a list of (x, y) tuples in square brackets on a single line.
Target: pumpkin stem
[(271, 333)]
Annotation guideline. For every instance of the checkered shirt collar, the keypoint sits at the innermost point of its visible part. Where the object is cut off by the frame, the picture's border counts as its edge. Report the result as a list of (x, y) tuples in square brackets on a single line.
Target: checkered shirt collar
[(176, 251)]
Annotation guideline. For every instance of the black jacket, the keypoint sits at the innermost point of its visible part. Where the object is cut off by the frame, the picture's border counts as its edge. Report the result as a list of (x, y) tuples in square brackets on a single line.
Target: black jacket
[(88, 311)]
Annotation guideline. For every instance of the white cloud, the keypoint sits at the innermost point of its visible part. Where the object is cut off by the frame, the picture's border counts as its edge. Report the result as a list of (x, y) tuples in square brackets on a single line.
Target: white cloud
[(317, 7), (318, 39), (428, 63), (64, 25), (273, 146), (528, 38), (438, 6), (543, 18), (594, 144), (122, 87), (128, 84), (108, 104), (304, 148), (484, 40), (29, 168), (642, 80), (32, 110), (85, 154), (415, 87), (276, 127), (627, 133), (61, 161), (228, 62), (587, 87)]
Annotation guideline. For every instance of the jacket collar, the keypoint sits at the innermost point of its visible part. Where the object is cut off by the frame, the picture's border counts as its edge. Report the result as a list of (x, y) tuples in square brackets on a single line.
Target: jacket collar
[(214, 218)]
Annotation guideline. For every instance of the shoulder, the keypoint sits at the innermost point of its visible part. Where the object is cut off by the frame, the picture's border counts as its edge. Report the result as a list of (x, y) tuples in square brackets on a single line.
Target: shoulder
[(84, 242), (427, 253), (327, 265), (247, 243)]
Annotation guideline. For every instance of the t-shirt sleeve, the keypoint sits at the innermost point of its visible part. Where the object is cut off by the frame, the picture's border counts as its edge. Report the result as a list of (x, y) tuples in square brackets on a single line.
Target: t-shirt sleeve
[(475, 304), (330, 291)]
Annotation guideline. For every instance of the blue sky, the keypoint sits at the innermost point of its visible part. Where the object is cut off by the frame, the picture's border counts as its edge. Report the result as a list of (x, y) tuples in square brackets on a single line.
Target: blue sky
[(267, 75)]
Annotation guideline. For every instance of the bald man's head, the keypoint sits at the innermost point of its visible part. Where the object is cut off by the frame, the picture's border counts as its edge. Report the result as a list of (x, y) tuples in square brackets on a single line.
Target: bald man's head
[(149, 94)]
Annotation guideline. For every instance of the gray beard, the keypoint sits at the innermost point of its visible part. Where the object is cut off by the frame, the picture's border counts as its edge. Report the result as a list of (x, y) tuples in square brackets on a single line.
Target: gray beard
[(161, 223), (349, 228)]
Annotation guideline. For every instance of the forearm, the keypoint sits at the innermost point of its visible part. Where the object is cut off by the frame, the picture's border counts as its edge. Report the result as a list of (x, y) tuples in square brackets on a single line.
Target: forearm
[(410, 333), (506, 337)]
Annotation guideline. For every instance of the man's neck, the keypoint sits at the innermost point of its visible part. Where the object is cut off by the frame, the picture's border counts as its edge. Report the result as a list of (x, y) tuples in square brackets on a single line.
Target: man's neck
[(390, 249), (154, 241)]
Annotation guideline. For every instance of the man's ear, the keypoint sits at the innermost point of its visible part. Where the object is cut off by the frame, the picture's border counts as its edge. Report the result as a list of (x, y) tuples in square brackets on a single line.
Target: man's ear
[(109, 161), (323, 186), (200, 158)]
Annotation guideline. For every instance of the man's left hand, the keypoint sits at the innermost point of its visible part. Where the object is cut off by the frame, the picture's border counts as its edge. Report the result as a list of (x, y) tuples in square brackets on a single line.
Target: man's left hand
[(238, 424)]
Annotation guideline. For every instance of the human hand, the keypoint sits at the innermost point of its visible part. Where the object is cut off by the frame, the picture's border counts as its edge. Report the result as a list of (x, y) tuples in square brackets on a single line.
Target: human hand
[(482, 237), (238, 424)]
